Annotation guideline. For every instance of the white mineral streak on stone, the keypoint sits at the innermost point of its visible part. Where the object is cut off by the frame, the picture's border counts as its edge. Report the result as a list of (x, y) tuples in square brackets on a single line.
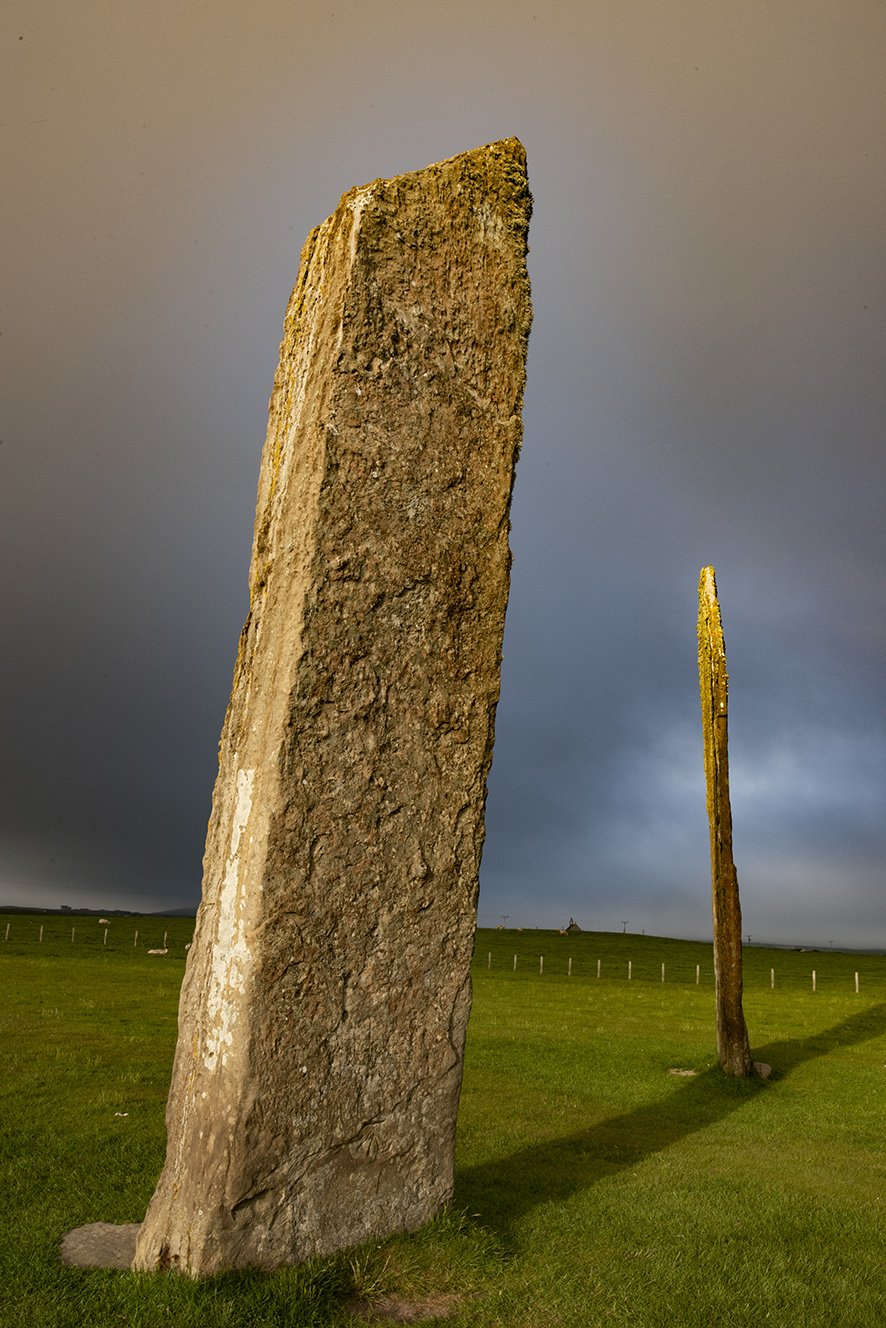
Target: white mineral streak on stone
[(356, 207), (492, 225), (326, 995), (356, 204), (230, 954)]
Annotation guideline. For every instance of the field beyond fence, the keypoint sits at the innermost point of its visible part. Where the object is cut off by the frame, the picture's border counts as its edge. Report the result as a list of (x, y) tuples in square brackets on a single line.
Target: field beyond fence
[(73, 935), (607, 1171), (615, 957)]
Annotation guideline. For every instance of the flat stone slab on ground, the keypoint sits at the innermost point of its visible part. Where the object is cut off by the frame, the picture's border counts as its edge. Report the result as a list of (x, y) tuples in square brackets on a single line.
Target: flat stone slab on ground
[(100, 1245), (398, 1309)]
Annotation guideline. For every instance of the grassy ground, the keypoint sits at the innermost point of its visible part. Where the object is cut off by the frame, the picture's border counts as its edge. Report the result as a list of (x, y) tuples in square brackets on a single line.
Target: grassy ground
[(594, 1188)]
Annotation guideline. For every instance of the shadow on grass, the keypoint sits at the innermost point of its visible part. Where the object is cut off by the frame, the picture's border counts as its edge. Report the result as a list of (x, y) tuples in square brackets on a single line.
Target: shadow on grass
[(507, 1188)]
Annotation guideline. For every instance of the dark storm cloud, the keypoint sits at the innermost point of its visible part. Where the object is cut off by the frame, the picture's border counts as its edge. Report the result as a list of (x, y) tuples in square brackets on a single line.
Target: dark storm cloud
[(705, 385)]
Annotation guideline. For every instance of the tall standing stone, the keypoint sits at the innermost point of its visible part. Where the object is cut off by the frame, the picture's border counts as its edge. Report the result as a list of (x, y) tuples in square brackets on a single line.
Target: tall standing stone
[(323, 1011), (733, 1047)]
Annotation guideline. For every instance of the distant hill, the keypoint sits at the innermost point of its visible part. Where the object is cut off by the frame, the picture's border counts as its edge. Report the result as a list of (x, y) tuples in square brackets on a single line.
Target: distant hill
[(102, 912), (78, 912)]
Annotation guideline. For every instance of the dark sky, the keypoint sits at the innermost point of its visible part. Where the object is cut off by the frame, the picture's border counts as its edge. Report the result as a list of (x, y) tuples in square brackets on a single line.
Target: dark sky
[(706, 385)]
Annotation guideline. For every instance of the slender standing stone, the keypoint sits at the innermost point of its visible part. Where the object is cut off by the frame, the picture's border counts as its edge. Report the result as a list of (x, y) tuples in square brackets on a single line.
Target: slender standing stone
[(323, 1011), (733, 1048)]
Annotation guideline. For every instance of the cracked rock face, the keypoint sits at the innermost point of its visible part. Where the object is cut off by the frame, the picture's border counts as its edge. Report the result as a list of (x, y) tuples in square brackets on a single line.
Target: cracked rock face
[(323, 1011)]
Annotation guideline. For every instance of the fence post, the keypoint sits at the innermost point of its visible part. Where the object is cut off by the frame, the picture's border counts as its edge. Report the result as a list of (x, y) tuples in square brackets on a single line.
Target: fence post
[(772, 979), (569, 970), (541, 963), (515, 963), (41, 931), (629, 970), (599, 962), (662, 972), (697, 974), (856, 984), (105, 941), (813, 979), (8, 925), (135, 939)]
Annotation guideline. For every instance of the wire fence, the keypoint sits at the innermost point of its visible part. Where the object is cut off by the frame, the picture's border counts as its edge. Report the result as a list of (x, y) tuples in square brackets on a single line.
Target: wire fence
[(79, 935), (604, 958), (832, 972)]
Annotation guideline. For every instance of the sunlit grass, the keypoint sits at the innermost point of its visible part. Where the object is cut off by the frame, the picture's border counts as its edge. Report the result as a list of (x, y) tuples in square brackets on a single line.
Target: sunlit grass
[(594, 1187)]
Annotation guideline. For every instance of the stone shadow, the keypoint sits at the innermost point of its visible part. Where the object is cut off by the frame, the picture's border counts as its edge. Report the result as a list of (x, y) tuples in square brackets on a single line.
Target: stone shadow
[(505, 1189)]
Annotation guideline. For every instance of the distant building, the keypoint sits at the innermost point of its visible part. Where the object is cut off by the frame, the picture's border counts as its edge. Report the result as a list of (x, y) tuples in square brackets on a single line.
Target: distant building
[(573, 926)]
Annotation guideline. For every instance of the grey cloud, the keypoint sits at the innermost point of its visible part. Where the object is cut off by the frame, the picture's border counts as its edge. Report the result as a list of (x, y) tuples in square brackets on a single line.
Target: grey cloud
[(705, 385)]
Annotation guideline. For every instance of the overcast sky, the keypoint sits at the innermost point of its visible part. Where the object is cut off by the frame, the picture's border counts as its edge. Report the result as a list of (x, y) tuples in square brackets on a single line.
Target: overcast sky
[(706, 385)]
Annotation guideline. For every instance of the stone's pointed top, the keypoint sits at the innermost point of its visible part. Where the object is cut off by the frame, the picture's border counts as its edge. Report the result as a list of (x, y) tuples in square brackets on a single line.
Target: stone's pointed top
[(710, 622), (506, 152), (502, 149), (495, 170)]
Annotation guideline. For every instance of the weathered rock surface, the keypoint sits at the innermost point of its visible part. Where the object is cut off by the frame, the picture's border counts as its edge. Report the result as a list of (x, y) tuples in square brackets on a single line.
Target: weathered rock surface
[(323, 1011), (733, 1046), (100, 1245)]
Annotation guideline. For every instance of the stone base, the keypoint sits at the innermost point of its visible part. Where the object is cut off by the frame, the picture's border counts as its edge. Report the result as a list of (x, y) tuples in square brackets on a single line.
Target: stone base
[(100, 1245)]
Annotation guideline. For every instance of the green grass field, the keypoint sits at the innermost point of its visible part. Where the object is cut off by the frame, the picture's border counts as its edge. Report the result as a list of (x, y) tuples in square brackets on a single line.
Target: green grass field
[(593, 1188)]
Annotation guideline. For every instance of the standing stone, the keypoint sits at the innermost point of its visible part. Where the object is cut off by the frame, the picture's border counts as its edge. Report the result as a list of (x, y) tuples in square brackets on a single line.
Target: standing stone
[(323, 1011), (733, 1048)]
